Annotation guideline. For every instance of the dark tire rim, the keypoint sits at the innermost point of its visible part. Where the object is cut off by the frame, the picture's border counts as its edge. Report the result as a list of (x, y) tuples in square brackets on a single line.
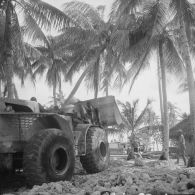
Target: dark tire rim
[(59, 160), (103, 149)]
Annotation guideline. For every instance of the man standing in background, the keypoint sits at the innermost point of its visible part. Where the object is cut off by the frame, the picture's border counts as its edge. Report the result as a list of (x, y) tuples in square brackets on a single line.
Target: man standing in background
[(181, 147)]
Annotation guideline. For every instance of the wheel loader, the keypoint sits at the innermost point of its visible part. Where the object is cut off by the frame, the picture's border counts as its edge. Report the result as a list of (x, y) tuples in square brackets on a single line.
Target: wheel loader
[(44, 145)]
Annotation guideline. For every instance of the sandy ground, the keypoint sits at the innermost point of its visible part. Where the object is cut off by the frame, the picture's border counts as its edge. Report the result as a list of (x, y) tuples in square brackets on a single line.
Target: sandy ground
[(124, 177)]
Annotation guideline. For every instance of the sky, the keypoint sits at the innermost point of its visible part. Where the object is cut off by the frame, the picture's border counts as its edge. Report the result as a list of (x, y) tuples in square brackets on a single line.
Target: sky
[(146, 85)]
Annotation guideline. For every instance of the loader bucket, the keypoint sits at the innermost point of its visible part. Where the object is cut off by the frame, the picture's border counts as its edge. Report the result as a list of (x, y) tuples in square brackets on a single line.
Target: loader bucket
[(108, 110)]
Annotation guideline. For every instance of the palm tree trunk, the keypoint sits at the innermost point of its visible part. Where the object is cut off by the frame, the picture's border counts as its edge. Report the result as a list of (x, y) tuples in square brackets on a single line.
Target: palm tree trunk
[(107, 93), (96, 93), (77, 85), (61, 98), (132, 142), (191, 87), (164, 93), (15, 91), (160, 88), (1, 88), (96, 77), (54, 94), (157, 146), (160, 93), (60, 85), (8, 50)]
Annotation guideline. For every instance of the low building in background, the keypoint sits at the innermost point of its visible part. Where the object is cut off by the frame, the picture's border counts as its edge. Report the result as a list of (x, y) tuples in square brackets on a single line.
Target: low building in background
[(117, 148)]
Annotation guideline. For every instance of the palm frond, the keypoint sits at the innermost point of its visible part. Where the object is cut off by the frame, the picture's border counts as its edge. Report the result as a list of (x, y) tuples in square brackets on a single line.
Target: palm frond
[(192, 40), (76, 64), (32, 52), (22, 7), (184, 12), (75, 88), (47, 15), (172, 59), (120, 41), (140, 118), (39, 70), (75, 35), (112, 66), (41, 65), (121, 74), (33, 31), (126, 123), (83, 14), (156, 12), (183, 9), (124, 7), (87, 54), (61, 64), (183, 86), (17, 41), (53, 75), (93, 77), (139, 65)]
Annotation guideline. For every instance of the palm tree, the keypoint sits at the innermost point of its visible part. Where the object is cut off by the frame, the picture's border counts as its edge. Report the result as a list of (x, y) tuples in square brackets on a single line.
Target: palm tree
[(82, 43), (12, 53), (51, 62), (149, 35), (184, 19), (153, 127), (141, 40), (53, 71), (71, 45), (174, 114), (21, 67), (133, 120), (91, 50)]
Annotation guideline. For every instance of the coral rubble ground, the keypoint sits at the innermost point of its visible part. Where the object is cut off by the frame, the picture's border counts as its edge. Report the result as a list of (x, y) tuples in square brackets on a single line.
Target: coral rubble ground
[(124, 177)]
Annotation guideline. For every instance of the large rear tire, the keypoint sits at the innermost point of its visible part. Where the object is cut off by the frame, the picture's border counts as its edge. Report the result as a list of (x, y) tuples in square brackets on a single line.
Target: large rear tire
[(48, 156), (97, 156)]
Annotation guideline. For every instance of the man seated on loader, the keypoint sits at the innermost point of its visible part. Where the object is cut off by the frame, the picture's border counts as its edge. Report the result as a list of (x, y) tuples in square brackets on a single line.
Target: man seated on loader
[(41, 108)]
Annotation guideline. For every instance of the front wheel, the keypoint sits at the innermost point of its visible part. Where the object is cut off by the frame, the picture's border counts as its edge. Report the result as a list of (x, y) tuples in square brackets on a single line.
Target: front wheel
[(97, 156), (49, 156)]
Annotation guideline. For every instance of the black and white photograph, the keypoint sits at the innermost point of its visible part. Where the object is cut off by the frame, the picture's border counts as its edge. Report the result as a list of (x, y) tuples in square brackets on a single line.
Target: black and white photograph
[(97, 97)]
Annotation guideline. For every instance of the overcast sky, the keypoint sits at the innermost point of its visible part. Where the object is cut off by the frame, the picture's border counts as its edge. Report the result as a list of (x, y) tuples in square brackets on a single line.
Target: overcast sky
[(145, 87)]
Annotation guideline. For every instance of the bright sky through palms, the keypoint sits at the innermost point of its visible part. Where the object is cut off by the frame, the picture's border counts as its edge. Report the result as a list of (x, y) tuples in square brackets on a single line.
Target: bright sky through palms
[(145, 87)]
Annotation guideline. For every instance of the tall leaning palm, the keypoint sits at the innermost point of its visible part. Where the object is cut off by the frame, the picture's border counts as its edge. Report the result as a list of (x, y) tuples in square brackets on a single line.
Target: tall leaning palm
[(170, 60), (39, 11), (184, 18), (92, 50), (151, 36), (83, 44)]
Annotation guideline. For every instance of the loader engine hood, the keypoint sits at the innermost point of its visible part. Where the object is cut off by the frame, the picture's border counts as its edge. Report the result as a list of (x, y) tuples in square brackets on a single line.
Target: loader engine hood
[(21, 105), (108, 110)]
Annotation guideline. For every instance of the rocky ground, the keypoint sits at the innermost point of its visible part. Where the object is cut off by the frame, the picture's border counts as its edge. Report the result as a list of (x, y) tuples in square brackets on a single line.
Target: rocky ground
[(124, 177)]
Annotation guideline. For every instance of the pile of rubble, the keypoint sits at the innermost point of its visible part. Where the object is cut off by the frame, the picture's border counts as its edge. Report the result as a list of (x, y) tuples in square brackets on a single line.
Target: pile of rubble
[(125, 177)]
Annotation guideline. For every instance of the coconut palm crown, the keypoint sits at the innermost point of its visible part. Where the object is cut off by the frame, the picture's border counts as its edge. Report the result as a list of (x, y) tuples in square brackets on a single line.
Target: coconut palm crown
[(11, 39)]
